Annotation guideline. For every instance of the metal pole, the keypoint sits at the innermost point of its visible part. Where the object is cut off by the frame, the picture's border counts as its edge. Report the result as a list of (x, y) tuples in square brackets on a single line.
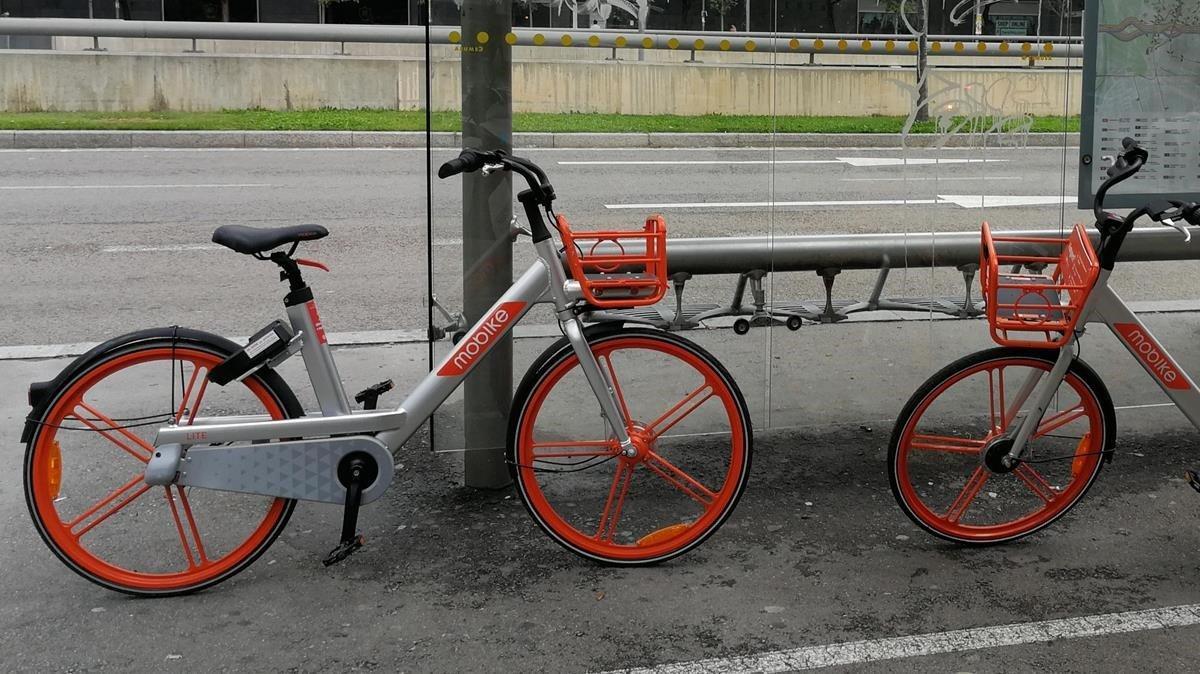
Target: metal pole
[(747, 26), (487, 210)]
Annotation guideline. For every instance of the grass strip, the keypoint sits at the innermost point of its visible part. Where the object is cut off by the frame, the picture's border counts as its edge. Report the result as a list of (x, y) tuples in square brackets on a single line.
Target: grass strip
[(414, 120)]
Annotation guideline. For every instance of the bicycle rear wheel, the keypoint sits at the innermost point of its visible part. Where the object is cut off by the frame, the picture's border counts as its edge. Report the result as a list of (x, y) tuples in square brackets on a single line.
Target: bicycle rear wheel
[(689, 424), (936, 458), (84, 470)]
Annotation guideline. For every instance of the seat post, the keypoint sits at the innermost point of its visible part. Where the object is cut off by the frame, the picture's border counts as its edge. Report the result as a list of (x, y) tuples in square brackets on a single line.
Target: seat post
[(318, 357)]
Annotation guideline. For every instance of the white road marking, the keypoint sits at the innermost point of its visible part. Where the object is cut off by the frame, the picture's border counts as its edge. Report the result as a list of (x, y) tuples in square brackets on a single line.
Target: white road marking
[(779, 204), (128, 187), (955, 641), (928, 179), (698, 162), (861, 162), (1142, 407), (1005, 201), (171, 247)]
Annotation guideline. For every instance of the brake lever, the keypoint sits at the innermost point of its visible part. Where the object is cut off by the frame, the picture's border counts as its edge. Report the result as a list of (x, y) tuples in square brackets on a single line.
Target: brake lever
[(489, 169), (1187, 233)]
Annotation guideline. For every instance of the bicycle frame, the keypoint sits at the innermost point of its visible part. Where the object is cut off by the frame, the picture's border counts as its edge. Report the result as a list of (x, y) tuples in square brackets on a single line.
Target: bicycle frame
[(544, 281), (1105, 306)]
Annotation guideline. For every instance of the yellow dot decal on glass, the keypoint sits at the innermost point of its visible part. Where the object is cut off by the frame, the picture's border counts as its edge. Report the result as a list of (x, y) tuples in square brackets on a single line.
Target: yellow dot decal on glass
[(454, 37), (648, 43), (750, 46), (890, 45), (1003, 47), (565, 40), (620, 41), (673, 43), (725, 45), (935, 47), (482, 37), (866, 45), (698, 45), (1026, 47), (539, 39), (511, 38), (958, 46), (1048, 48), (913, 46), (594, 41), (794, 44), (818, 44), (842, 44), (981, 47)]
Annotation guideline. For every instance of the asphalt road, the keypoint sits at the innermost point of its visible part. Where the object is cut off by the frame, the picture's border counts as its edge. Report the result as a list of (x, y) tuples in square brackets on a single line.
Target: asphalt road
[(98, 242)]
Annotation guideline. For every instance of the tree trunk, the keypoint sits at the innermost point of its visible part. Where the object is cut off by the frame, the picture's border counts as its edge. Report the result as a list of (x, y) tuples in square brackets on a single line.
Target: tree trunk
[(923, 63)]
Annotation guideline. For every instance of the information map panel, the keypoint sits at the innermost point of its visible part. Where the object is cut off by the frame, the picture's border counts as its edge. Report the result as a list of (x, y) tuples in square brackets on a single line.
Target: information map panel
[(1142, 79)]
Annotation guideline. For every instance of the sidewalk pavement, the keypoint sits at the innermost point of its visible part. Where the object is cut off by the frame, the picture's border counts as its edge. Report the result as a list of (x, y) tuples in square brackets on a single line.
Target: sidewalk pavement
[(458, 580), (418, 139)]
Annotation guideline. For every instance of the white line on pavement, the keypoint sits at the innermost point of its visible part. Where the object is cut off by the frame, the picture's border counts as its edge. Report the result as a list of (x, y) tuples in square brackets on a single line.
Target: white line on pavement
[(1005, 201), (697, 162), (171, 247), (127, 187), (1142, 407), (955, 641), (780, 204), (934, 179), (861, 162)]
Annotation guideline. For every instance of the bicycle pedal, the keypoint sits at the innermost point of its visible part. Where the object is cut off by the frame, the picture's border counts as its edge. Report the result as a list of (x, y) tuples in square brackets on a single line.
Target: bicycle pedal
[(344, 550), (1193, 479), (369, 397)]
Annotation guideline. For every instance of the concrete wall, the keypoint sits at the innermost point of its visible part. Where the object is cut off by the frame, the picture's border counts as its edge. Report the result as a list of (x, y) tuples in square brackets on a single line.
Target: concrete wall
[(114, 82)]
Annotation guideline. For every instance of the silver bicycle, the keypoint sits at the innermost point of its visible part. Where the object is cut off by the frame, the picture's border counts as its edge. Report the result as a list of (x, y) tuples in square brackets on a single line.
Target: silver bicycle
[(167, 460), (1003, 442)]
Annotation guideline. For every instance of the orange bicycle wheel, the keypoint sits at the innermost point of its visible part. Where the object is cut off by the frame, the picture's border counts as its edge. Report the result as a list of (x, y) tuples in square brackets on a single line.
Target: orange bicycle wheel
[(689, 424), (84, 471), (943, 458)]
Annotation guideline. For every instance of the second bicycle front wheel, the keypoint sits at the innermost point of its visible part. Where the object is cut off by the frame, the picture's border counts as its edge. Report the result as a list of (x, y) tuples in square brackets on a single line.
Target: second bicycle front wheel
[(958, 424), (688, 420)]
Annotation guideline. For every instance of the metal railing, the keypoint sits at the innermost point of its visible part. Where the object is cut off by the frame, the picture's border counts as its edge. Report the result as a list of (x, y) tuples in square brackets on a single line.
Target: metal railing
[(800, 43)]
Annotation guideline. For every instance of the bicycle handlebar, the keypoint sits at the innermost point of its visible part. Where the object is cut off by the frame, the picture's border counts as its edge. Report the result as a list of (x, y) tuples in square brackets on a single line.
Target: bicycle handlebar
[(540, 195)]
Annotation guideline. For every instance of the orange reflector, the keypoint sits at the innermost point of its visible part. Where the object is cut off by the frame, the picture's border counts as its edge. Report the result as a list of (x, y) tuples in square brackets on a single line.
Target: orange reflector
[(54, 469), (662, 534), (1077, 464)]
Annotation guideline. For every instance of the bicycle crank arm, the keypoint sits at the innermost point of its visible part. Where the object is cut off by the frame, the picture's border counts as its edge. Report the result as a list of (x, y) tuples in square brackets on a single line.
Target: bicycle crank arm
[(298, 469)]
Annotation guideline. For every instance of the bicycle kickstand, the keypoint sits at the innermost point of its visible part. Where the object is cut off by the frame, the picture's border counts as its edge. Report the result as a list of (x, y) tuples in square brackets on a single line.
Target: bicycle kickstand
[(353, 473)]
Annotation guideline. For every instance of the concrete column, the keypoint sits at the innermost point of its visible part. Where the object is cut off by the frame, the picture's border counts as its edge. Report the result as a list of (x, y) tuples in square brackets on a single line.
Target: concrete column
[(487, 209)]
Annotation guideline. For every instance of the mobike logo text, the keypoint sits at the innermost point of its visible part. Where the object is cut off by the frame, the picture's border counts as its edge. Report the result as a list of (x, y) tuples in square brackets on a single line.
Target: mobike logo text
[(319, 329), (476, 344), (1152, 355)]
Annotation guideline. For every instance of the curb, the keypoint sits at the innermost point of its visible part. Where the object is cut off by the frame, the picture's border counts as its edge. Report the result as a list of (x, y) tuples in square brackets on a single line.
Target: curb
[(416, 139)]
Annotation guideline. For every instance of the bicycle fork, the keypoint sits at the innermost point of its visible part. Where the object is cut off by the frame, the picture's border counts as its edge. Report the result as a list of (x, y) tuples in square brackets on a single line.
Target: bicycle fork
[(1039, 390), (601, 385)]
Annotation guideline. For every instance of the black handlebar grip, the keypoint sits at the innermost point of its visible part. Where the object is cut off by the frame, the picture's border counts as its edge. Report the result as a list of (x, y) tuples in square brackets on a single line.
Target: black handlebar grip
[(467, 161), (1129, 143)]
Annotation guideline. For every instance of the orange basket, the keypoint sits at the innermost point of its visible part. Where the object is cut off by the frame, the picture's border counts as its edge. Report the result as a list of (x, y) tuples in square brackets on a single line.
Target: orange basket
[(618, 269), (1038, 309)]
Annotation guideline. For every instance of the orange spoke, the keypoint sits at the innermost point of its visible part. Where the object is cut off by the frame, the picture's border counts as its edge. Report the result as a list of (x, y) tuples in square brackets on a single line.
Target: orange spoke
[(946, 443), (114, 426), (996, 408), (967, 496), (1036, 483), (616, 500), (1059, 420), (104, 502), (689, 401), (194, 408), (199, 559), (680, 480), (607, 450), (612, 376)]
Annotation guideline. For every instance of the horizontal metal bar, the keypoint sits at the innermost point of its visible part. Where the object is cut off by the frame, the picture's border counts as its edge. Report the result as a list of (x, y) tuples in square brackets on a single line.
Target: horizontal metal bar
[(302, 427), (803, 43), (734, 255)]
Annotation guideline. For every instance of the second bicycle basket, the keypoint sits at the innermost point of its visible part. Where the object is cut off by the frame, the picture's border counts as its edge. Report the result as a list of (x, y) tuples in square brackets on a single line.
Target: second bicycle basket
[(1036, 300), (618, 269)]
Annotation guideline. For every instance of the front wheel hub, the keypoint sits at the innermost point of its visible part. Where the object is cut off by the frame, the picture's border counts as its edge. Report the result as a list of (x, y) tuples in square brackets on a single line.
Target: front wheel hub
[(994, 453)]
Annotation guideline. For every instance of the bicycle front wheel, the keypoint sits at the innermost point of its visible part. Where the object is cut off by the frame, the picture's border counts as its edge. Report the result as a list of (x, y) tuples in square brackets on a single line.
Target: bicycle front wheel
[(938, 458), (689, 423)]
